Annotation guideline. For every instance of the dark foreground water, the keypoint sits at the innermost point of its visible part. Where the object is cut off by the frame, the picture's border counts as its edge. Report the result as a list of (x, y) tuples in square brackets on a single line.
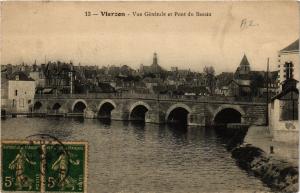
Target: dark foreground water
[(127, 157)]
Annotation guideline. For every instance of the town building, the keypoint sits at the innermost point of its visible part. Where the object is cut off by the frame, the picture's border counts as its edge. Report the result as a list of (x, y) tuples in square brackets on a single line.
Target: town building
[(283, 113), (238, 87), (38, 76), (59, 77), (240, 84), (154, 68), (19, 94), (283, 109), (247, 82), (4, 91), (288, 63), (222, 82)]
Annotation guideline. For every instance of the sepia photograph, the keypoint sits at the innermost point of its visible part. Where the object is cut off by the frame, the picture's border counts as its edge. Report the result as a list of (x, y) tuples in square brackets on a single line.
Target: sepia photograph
[(149, 96)]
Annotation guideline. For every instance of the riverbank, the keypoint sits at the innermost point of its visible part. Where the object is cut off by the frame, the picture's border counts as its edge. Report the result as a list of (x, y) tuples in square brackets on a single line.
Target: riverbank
[(278, 174), (275, 163), (259, 136)]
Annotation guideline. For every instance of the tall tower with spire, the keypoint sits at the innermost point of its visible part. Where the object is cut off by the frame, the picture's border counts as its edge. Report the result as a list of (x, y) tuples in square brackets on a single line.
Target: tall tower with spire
[(244, 67), (243, 70), (155, 66), (155, 63)]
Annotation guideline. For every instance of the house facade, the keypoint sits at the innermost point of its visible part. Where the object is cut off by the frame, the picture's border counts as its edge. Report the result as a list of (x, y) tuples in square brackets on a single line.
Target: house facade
[(283, 113), (288, 63), (283, 108), (21, 90)]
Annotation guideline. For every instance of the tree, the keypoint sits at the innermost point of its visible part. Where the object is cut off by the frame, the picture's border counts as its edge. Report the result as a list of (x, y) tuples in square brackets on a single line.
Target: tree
[(209, 74)]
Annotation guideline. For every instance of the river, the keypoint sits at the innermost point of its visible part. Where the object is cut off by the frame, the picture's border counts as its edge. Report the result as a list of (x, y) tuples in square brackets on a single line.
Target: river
[(129, 157)]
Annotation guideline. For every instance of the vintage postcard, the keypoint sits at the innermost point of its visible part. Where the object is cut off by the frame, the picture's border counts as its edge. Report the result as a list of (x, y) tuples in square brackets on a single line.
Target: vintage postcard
[(149, 97)]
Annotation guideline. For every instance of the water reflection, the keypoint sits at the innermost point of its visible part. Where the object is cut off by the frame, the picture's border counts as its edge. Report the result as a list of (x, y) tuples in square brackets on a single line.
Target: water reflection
[(139, 130), (105, 121), (139, 157), (78, 119)]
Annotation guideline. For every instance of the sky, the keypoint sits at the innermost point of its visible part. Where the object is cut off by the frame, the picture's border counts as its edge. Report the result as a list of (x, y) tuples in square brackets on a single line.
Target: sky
[(60, 31)]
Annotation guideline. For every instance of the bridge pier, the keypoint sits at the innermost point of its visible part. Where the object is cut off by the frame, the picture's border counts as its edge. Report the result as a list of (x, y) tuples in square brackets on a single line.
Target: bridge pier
[(152, 116), (196, 119), (119, 115), (89, 114)]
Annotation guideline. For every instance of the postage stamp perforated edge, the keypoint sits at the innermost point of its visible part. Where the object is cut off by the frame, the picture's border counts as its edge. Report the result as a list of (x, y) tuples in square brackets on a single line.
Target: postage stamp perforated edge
[(38, 142), (17, 142)]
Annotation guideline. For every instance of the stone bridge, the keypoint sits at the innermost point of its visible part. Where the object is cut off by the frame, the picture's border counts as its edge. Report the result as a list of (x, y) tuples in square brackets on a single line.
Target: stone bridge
[(191, 110)]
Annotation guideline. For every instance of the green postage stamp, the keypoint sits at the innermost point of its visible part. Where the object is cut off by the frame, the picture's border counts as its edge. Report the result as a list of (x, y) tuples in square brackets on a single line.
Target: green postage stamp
[(35, 166), (21, 167)]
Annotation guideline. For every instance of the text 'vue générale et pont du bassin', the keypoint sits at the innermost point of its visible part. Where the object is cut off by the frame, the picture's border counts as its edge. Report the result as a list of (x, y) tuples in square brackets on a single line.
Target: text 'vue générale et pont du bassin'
[(147, 14)]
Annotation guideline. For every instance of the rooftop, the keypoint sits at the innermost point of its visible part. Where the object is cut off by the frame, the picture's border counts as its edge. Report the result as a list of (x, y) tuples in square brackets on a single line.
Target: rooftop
[(244, 61), (20, 76), (292, 47)]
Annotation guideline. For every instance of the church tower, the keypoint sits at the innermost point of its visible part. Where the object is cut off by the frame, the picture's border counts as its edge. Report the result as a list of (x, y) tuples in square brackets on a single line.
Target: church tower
[(244, 68), (155, 67), (155, 63), (243, 71)]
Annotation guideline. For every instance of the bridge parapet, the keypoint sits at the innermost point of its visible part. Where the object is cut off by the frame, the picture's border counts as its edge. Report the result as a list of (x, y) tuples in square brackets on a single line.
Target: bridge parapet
[(204, 99), (197, 110)]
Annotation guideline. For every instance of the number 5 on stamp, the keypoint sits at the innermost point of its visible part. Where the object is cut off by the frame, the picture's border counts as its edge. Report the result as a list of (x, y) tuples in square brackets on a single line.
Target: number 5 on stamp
[(21, 167)]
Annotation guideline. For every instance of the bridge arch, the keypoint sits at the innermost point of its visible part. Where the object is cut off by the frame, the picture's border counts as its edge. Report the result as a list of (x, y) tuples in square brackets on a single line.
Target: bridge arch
[(56, 106), (138, 110), (105, 107), (79, 106), (228, 114), (178, 113), (37, 106)]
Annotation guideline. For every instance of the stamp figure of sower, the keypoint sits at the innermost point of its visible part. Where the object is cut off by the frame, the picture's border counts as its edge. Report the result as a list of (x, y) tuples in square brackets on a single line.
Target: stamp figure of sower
[(20, 167), (62, 166), (65, 167), (18, 164)]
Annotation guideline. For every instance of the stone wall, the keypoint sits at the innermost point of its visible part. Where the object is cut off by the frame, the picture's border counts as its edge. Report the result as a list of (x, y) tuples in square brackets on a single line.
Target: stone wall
[(285, 131)]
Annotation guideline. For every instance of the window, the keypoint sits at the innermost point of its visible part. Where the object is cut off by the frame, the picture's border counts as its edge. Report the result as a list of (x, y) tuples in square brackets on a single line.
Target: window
[(288, 70), (29, 101), (14, 103), (16, 92), (21, 102)]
